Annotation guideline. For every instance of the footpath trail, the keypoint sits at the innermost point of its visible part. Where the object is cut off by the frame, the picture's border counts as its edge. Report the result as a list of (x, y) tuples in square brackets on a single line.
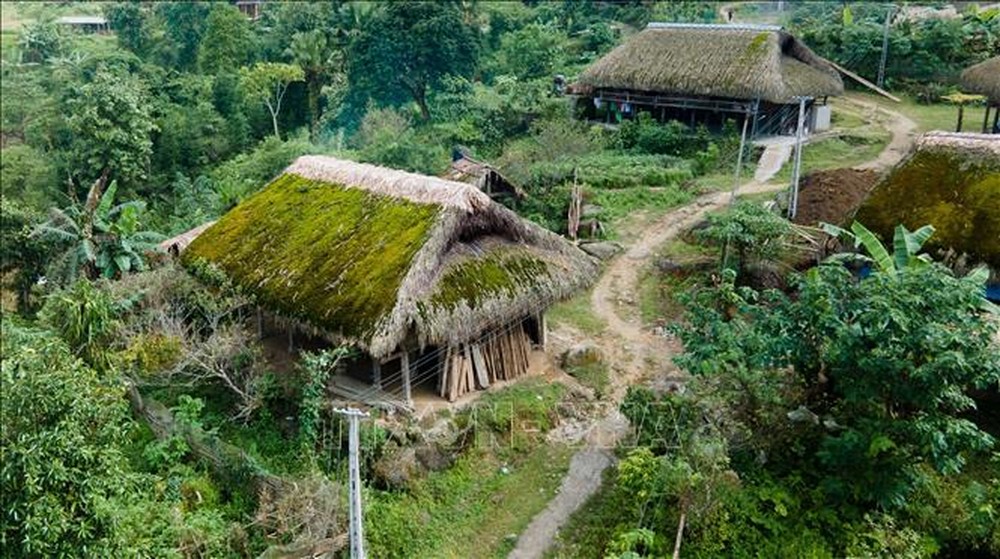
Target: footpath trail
[(635, 351)]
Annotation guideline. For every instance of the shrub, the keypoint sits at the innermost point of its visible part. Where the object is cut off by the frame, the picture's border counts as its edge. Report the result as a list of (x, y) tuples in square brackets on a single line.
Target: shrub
[(387, 138), (248, 172)]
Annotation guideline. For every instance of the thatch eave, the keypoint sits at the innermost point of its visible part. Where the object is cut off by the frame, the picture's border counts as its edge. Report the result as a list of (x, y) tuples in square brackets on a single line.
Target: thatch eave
[(984, 78)]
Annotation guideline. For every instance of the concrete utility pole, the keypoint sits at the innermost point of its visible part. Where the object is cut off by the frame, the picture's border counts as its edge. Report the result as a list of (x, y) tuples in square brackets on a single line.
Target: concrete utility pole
[(793, 204), (885, 46), (354, 483)]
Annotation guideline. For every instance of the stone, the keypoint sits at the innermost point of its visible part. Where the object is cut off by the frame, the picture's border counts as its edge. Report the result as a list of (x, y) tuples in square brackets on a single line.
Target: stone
[(602, 250), (581, 355)]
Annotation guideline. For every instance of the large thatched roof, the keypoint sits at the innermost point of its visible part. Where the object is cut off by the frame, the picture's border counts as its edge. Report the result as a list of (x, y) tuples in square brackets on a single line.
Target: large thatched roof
[(730, 61), (951, 181), (375, 256), (984, 78)]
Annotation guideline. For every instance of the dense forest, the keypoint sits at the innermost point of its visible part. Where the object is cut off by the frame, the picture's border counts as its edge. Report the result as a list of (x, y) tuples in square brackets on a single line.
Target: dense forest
[(142, 417)]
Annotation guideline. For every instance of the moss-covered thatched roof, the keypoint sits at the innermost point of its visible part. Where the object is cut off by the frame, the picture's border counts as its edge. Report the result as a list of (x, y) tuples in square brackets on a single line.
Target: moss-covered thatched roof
[(951, 181), (984, 78), (730, 61), (375, 256)]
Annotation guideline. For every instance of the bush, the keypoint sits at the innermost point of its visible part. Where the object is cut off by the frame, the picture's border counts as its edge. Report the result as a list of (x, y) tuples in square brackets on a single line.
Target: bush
[(248, 172), (387, 138)]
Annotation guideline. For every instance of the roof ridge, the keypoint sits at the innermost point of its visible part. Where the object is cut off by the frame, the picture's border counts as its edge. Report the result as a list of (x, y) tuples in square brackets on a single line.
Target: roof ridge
[(726, 26), (420, 189)]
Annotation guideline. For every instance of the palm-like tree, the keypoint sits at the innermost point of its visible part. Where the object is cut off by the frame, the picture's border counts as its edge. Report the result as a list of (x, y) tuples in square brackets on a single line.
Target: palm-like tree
[(100, 238)]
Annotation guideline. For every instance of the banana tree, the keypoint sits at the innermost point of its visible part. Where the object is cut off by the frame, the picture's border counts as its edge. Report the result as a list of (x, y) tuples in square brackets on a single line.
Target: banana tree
[(101, 238), (906, 246)]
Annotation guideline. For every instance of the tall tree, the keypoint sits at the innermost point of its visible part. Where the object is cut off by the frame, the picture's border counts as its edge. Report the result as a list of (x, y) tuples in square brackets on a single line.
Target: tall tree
[(406, 48), (185, 24), (111, 127), (311, 51), (228, 42), (267, 82), (130, 23)]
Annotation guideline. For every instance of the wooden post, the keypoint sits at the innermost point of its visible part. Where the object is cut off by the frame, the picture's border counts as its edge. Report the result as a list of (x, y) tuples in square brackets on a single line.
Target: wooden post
[(405, 364), (260, 320), (996, 117), (986, 118), (961, 109), (376, 374), (543, 331)]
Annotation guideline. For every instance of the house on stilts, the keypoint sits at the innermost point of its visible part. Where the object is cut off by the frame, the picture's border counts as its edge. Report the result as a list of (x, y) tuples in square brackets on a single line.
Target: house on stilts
[(710, 73), (984, 79), (441, 288)]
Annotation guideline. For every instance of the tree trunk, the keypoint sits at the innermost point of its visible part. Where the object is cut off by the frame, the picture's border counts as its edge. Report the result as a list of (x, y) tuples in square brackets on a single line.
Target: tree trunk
[(313, 87), (680, 534), (274, 121), (420, 96)]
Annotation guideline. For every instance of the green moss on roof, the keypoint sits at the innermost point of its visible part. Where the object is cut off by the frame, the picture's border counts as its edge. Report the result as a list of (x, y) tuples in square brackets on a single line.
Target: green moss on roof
[(320, 252), (957, 193), (503, 272)]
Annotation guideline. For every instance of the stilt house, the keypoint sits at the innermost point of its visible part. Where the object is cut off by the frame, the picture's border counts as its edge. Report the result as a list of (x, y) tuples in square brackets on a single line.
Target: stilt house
[(984, 79), (708, 73), (439, 285)]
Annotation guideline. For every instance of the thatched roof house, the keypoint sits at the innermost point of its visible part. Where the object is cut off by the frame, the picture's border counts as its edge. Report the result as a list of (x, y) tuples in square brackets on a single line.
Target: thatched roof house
[(483, 176), (984, 78), (720, 68), (951, 181), (731, 61), (390, 261)]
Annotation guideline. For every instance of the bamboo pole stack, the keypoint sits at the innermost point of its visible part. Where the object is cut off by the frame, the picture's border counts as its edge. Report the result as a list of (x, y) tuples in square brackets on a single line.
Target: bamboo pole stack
[(497, 356)]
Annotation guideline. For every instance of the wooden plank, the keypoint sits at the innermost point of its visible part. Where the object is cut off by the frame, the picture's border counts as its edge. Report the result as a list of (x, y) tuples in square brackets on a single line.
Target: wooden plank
[(481, 374), (469, 372), (864, 82), (453, 377)]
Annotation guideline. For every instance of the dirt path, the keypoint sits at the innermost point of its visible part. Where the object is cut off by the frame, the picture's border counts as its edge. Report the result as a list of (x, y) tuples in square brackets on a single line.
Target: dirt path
[(636, 352), (901, 127)]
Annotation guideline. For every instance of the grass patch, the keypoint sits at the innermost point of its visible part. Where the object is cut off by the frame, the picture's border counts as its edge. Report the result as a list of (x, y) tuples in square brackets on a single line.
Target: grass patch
[(494, 489), (937, 116), (593, 375), (467, 510), (620, 203), (578, 314), (657, 292), (849, 150)]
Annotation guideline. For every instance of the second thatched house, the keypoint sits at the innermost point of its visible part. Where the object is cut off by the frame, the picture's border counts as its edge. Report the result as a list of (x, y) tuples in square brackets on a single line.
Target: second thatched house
[(950, 181), (984, 79), (706, 73), (439, 285)]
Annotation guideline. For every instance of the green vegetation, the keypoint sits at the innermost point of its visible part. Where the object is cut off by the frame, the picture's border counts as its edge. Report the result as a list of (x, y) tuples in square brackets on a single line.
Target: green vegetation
[(499, 273), (793, 440)]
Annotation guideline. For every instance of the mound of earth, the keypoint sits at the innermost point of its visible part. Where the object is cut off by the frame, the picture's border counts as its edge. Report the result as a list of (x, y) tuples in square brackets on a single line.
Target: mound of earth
[(833, 196)]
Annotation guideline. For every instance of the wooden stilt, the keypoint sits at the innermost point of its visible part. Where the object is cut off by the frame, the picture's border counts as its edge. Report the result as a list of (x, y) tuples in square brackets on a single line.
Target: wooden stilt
[(986, 118), (996, 117), (260, 324), (376, 374), (543, 331), (961, 109), (405, 364)]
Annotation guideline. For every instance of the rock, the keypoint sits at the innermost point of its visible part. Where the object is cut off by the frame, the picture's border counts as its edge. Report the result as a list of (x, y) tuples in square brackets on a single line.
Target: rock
[(433, 457), (397, 468), (591, 210), (601, 250), (581, 355)]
